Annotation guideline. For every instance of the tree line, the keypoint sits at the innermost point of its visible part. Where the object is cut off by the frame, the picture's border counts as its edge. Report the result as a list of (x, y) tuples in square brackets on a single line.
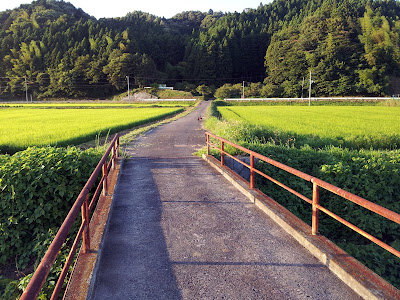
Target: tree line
[(352, 47)]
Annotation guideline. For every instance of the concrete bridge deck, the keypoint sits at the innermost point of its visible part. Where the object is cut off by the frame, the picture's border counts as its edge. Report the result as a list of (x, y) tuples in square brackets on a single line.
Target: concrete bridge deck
[(179, 230)]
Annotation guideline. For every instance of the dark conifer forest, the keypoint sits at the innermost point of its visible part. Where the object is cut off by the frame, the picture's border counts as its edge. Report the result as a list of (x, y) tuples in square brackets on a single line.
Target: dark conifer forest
[(352, 47)]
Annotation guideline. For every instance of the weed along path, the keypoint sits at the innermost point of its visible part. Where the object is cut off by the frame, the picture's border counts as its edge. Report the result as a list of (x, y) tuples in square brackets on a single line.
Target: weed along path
[(179, 230)]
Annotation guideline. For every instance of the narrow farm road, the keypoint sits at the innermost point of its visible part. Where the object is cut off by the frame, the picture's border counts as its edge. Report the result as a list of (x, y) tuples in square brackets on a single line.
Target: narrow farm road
[(179, 230)]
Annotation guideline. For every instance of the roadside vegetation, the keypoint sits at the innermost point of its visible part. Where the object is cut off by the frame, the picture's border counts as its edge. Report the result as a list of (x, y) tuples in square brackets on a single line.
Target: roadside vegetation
[(172, 94), (37, 189), (346, 156), (155, 91)]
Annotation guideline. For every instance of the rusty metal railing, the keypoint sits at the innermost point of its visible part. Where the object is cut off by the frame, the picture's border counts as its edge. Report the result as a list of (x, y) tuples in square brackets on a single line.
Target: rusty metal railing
[(317, 184), (81, 204)]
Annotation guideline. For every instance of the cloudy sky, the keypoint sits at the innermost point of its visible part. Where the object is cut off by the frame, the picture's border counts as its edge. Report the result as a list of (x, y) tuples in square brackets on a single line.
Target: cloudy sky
[(162, 8)]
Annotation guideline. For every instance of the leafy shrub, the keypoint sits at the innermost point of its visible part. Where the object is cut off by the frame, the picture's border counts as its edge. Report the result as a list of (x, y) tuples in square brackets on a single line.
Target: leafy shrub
[(373, 175), (37, 188), (270, 90), (205, 90), (253, 89), (229, 91), (186, 86), (173, 94)]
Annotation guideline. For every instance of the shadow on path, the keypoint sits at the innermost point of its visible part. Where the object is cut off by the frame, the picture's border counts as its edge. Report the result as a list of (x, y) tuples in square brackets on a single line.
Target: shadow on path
[(135, 254)]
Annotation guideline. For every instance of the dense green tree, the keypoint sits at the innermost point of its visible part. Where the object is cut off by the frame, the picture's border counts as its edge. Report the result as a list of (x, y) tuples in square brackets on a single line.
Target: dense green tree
[(119, 66), (253, 89), (204, 90), (351, 46), (381, 42)]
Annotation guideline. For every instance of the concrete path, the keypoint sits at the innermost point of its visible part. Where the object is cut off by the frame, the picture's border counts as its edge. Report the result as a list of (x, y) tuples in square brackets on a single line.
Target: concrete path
[(179, 230)]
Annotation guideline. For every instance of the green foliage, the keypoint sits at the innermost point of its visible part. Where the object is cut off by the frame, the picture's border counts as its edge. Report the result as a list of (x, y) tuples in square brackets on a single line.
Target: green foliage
[(186, 86), (37, 188), (173, 94), (352, 47), (329, 42), (229, 91), (253, 89), (119, 64), (205, 90), (371, 174), (63, 52)]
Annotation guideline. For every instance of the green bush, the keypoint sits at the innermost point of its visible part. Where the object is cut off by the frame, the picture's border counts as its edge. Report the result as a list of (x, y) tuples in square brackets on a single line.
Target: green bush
[(173, 94), (373, 175), (229, 91), (37, 189)]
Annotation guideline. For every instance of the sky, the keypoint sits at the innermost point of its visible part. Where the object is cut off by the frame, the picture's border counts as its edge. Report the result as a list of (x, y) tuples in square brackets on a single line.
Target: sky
[(162, 8)]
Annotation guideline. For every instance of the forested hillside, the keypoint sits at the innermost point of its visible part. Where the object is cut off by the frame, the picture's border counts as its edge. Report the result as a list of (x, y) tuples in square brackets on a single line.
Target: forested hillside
[(352, 47)]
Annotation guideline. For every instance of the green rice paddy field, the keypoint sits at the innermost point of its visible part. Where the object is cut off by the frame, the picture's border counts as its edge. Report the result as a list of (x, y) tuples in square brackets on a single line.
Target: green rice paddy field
[(24, 127), (350, 126), (101, 105)]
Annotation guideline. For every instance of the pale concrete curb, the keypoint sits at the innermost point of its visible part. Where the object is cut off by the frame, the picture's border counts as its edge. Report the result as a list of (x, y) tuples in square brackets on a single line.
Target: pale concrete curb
[(358, 277), (83, 276), (92, 279)]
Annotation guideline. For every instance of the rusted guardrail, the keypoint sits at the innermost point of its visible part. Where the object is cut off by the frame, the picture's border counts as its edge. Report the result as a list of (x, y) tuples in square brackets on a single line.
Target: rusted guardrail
[(317, 184), (81, 204)]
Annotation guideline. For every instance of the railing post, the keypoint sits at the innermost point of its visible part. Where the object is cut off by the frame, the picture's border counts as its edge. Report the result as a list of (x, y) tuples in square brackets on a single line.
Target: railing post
[(105, 178), (222, 153), (117, 147), (113, 157), (315, 210), (208, 144), (252, 171), (85, 219)]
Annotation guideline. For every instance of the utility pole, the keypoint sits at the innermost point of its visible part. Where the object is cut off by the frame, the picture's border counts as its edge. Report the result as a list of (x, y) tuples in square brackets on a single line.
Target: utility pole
[(309, 92), (243, 90), (129, 95), (26, 90)]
